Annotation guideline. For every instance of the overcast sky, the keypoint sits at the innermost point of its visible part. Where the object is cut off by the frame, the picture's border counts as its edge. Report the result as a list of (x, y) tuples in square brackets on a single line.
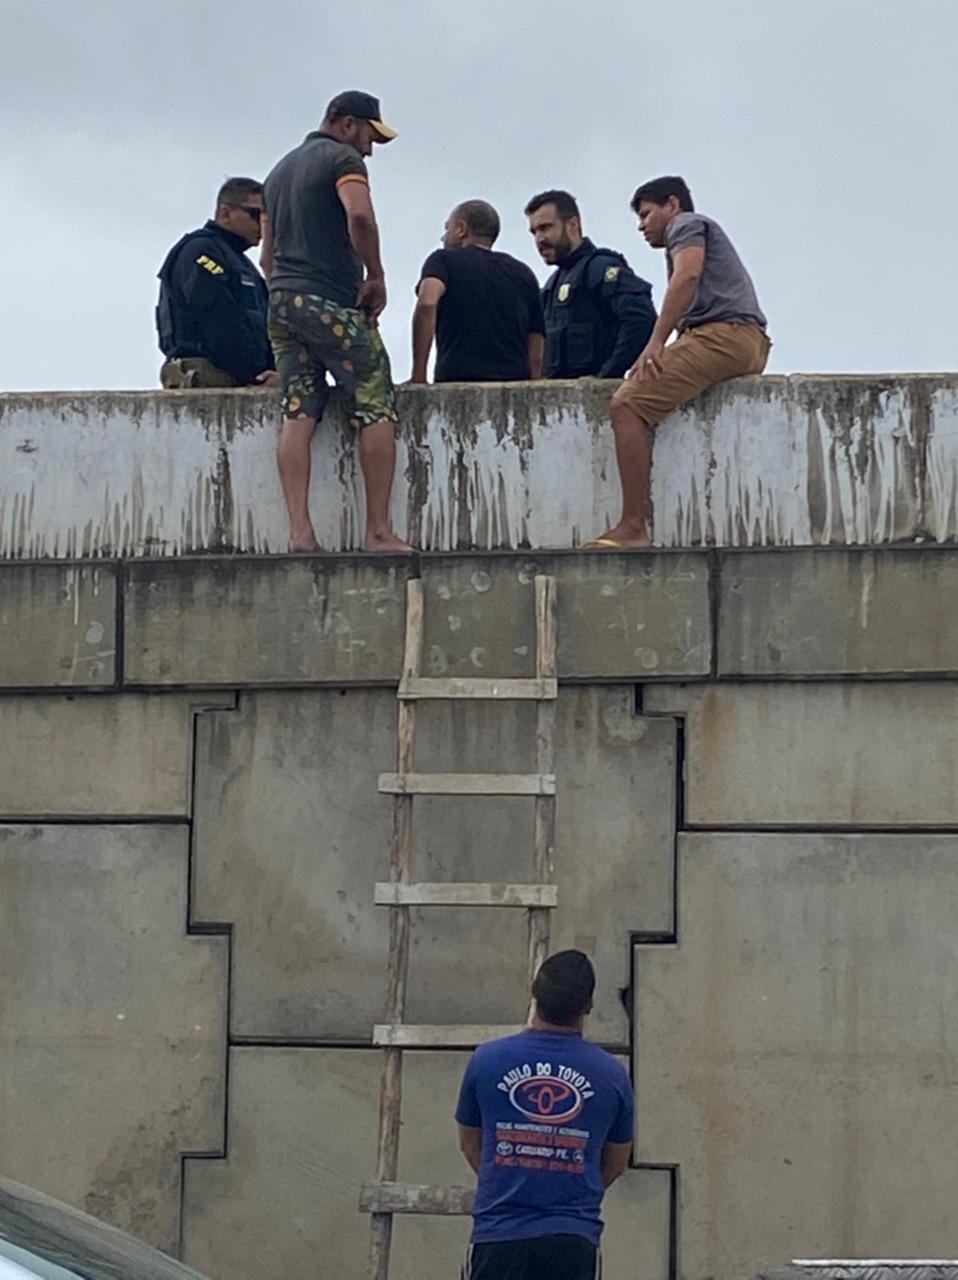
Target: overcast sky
[(820, 133)]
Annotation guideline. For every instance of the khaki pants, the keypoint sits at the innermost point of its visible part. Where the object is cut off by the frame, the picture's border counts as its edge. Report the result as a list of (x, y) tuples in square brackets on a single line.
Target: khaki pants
[(193, 371), (697, 359)]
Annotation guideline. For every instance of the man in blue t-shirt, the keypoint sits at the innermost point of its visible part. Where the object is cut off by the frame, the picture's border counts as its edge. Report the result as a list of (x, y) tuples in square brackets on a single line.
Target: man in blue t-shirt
[(545, 1119)]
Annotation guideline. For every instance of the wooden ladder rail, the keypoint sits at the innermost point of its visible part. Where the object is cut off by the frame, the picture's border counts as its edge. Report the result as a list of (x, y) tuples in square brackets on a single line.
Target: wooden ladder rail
[(544, 834), (400, 861)]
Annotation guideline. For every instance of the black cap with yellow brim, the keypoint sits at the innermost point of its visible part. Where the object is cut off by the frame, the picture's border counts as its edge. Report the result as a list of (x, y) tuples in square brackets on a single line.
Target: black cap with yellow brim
[(364, 107)]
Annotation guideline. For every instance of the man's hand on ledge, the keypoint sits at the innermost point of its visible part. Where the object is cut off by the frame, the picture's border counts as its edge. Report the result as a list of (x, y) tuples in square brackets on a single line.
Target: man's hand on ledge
[(268, 378)]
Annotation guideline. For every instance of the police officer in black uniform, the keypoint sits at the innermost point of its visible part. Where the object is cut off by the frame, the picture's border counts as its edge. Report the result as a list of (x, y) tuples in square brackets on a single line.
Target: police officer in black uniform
[(599, 315), (213, 306)]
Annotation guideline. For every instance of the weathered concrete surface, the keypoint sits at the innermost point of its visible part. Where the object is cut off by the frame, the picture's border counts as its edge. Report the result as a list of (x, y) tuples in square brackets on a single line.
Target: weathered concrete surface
[(302, 1140), (114, 755), (617, 615), (299, 620), (803, 1017), (228, 621), (798, 460), (112, 1021), (838, 612), (811, 459), (795, 1052), (57, 625), (290, 837), (858, 755)]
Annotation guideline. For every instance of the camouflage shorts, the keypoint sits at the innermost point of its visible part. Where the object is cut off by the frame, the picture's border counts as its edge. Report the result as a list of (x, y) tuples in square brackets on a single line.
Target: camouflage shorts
[(311, 336)]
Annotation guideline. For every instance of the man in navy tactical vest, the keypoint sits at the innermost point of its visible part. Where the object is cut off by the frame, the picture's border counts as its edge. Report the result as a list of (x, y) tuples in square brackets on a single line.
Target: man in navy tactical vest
[(213, 306), (546, 1121), (598, 314)]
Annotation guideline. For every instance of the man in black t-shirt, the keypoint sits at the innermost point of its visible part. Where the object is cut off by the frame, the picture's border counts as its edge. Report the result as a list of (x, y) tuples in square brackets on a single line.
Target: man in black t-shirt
[(484, 308)]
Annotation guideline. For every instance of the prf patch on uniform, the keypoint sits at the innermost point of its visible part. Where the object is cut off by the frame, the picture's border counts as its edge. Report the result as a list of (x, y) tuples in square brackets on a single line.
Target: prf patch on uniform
[(564, 291), (612, 273), (212, 267)]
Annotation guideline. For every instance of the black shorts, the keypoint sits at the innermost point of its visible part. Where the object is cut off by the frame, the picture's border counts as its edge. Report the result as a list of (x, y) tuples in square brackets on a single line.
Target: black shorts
[(564, 1257)]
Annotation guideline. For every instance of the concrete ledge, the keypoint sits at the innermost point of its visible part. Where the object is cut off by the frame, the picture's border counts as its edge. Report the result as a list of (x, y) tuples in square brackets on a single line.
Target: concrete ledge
[(57, 626), (835, 612), (293, 620), (233, 621), (340, 620), (635, 615), (802, 460)]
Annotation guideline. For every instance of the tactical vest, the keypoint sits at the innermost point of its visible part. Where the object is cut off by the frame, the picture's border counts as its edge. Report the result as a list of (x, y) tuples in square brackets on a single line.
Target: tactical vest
[(580, 334), (179, 333)]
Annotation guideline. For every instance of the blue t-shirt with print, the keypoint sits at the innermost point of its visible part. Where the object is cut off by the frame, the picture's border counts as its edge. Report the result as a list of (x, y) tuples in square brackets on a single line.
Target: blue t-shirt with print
[(547, 1102)]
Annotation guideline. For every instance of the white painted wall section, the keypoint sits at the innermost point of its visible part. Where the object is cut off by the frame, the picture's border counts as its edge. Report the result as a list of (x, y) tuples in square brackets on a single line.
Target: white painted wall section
[(754, 462)]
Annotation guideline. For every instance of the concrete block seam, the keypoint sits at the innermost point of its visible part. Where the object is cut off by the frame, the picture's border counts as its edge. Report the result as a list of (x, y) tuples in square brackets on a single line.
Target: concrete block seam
[(206, 929), (681, 822)]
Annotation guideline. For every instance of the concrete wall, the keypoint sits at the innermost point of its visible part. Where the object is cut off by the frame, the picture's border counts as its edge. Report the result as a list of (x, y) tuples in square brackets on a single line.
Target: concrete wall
[(760, 461), (757, 842)]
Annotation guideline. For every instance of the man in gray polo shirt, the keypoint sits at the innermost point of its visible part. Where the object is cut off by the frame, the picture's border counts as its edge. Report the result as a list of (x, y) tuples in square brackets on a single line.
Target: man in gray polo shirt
[(327, 291), (711, 303)]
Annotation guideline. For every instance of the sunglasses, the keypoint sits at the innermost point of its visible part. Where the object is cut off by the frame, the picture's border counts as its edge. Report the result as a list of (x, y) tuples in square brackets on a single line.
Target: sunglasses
[(254, 211)]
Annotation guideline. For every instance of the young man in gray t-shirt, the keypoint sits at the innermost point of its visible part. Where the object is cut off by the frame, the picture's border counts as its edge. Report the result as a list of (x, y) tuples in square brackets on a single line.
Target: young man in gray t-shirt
[(711, 303)]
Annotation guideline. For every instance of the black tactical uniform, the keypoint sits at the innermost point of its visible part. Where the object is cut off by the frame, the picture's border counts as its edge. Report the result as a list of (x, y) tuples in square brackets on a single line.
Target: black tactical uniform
[(212, 312), (599, 315)]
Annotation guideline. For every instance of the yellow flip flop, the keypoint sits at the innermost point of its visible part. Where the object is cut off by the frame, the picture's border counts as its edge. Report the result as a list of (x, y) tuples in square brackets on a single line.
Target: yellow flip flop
[(603, 544)]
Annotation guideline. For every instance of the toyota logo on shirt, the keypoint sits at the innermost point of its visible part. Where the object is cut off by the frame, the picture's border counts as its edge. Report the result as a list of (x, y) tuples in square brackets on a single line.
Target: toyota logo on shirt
[(546, 1099)]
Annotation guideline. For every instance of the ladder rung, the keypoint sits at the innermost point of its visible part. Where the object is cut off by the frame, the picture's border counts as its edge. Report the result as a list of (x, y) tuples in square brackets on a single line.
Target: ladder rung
[(467, 784), (406, 1197), (416, 687), (406, 1035), (460, 894)]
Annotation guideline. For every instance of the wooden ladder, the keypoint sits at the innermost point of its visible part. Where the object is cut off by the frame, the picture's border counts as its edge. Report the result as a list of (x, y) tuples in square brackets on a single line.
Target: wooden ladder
[(387, 1196)]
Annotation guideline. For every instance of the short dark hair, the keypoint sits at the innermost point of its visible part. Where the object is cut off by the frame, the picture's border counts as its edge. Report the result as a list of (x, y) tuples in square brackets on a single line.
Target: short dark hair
[(235, 190), (563, 987), (660, 190), (565, 204), (480, 217)]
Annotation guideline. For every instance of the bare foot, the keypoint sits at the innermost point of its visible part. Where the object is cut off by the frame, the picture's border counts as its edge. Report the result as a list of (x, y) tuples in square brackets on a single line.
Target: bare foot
[(304, 544), (385, 542), (623, 536)]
